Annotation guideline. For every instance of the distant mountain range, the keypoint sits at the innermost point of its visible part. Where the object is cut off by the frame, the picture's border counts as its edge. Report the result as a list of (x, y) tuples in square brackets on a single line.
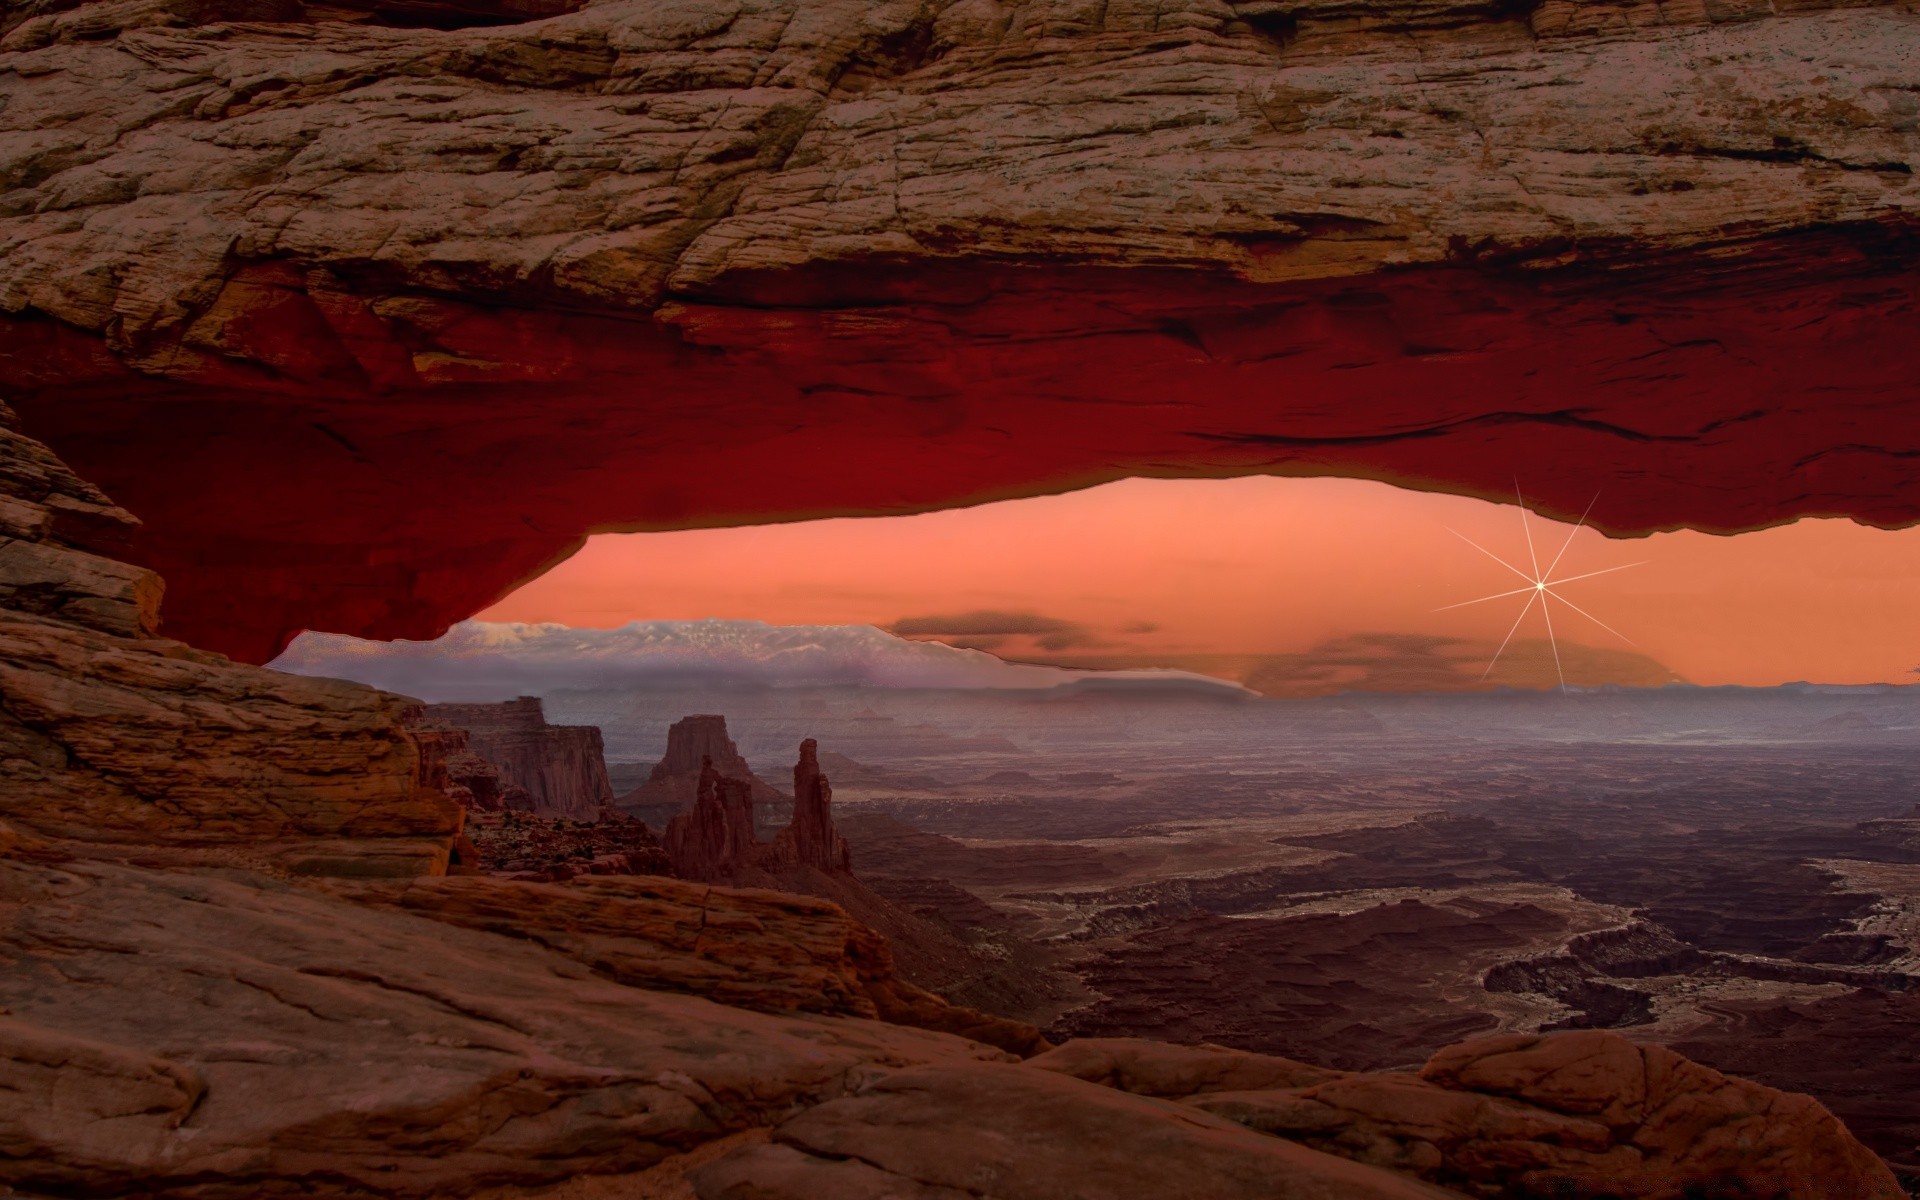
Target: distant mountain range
[(479, 660)]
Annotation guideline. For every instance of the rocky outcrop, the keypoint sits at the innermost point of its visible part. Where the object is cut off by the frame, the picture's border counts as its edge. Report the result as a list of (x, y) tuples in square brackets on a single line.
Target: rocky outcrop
[(560, 767), (518, 845), (810, 840), (714, 840), (959, 251), (1580, 1115), (471, 781), (765, 950), (115, 737), (675, 781)]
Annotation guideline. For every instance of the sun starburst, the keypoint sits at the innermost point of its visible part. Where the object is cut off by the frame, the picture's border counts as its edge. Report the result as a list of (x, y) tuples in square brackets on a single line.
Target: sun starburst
[(1540, 588)]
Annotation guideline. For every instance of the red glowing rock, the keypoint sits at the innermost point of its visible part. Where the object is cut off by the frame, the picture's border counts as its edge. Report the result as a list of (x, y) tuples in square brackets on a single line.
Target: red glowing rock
[(365, 354)]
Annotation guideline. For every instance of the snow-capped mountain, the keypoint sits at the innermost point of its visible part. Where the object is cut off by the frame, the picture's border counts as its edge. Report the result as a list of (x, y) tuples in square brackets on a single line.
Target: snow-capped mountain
[(478, 660)]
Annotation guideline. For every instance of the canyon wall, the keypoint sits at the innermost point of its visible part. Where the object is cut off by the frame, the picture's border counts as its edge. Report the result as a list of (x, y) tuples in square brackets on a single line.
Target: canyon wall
[(560, 768), (1658, 253)]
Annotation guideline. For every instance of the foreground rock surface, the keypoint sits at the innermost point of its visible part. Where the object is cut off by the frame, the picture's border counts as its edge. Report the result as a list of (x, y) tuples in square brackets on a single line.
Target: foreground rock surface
[(962, 250), (759, 949), (1013, 1133), (1584, 1116), (245, 1038)]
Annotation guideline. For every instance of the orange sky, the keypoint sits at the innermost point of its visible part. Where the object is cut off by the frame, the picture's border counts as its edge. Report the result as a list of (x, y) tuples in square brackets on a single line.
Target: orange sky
[(1159, 571)]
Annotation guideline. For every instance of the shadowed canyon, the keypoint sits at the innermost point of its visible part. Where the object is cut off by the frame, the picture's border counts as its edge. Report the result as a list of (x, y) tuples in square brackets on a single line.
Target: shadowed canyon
[(348, 318)]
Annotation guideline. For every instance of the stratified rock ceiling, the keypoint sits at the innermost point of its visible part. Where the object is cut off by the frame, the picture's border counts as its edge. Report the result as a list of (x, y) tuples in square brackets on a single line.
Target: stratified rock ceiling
[(372, 311)]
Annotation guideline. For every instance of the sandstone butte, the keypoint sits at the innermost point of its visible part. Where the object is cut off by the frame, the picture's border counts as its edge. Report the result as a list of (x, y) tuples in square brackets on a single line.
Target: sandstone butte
[(373, 310), (232, 965), (674, 781)]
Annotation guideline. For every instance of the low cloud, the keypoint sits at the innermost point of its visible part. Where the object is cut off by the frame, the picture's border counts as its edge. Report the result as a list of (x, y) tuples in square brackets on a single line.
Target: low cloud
[(989, 629), (1411, 662), (1389, 662)]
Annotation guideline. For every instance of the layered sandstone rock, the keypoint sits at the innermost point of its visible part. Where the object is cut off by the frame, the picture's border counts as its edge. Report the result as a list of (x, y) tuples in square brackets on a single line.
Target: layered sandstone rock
[(115, 737), (766, 950), (1575, 1115), (473, 782), (914, 254), (561, 768)]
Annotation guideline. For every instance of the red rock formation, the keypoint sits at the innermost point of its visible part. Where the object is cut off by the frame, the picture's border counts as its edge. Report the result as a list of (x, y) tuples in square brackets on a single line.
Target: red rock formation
[(561, 767), (713, 840), (692, 742), (521, 846), (470, 780), (810, 840), (111, 735), (958, 252)]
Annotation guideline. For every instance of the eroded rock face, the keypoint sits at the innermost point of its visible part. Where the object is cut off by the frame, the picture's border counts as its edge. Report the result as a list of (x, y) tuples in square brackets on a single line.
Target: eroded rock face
[(473, 782), (112, 736), (960, 250), (561, 768), (765, 950)]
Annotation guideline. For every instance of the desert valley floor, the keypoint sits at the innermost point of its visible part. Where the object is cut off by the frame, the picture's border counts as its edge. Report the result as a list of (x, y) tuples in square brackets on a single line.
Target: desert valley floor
[(1358, 882)]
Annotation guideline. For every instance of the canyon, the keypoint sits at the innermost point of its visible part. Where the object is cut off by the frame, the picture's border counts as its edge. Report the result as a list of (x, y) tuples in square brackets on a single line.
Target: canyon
[(361, 1022), (351, 316)]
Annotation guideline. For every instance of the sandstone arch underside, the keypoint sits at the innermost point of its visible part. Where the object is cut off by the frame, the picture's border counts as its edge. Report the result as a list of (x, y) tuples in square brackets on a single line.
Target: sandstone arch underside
[(370, 322)]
